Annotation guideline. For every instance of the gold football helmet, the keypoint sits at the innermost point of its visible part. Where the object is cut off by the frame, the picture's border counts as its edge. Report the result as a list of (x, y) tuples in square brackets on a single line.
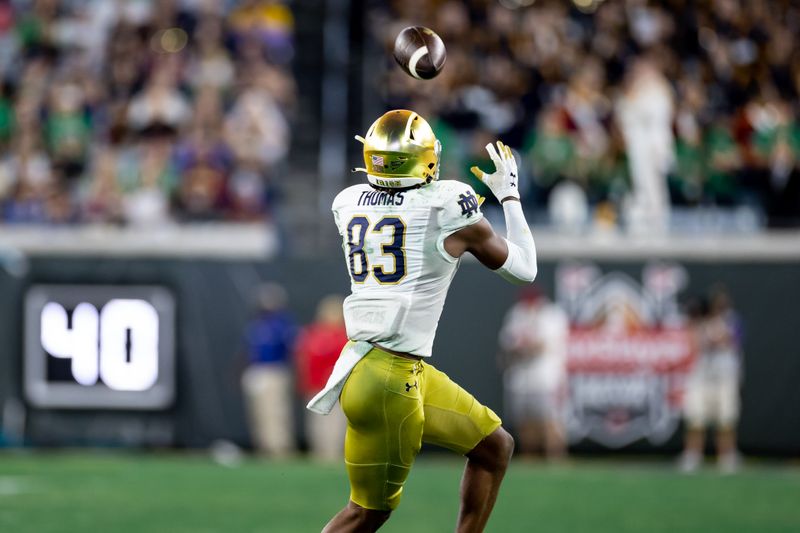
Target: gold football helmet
[(400, 151)]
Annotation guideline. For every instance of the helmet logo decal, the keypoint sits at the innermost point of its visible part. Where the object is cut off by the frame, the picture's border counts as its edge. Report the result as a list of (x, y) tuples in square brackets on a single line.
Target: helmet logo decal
[(397, 163), (377, 162)]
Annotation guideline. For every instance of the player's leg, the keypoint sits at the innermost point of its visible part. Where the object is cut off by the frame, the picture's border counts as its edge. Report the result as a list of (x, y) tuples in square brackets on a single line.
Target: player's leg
[(325, 434), (486, 466), (727, 416), (555, 439), (255, 385), (693, 442), (727, 454), (555, 442), (383, 405), (279, 423), (528, 432), (696, 415), (455, 420), (518, 409)]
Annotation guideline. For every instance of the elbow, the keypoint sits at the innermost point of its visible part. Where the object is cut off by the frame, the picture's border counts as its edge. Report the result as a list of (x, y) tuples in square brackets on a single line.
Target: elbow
[(530, 275), (521, 265), (524, 276), (531, 264)]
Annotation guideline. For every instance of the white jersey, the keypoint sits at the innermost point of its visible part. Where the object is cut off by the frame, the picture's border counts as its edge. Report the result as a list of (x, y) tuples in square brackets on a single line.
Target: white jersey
[(399, 270)]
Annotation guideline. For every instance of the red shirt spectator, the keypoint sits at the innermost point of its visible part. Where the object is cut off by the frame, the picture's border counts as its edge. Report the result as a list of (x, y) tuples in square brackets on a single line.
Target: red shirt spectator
[(319, 345)]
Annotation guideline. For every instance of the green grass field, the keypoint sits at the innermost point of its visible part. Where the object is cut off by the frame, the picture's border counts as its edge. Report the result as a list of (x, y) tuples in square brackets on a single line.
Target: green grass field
[(182, 493)]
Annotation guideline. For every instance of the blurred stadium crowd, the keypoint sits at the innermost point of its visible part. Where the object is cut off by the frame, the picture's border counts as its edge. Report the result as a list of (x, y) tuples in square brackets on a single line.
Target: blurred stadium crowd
[(143, 112), (554, 78), (186, 113)]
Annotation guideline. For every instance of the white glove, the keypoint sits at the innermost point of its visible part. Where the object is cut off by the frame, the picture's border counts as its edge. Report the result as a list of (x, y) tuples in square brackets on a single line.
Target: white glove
[(503, 182)]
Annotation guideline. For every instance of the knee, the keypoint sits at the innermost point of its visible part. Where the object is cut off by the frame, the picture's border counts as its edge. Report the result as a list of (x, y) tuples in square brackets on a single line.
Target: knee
[(367, 519), (495, 451), (356, 518), (505, 447)]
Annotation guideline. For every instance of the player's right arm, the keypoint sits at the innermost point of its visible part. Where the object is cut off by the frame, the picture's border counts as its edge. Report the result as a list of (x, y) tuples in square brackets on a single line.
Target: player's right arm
[(514, 256)]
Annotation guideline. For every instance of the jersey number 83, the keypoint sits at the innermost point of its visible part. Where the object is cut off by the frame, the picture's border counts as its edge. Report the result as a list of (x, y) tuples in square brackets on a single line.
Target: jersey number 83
[(393, 248)]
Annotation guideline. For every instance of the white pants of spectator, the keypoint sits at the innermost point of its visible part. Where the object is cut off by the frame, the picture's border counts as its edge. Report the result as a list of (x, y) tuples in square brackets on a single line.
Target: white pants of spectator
[(268, 392), (534, 388), (326, 434), (712, 392)]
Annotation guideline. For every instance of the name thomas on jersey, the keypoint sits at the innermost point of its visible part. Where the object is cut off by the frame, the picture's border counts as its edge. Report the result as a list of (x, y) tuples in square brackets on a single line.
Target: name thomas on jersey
[(381, 198)]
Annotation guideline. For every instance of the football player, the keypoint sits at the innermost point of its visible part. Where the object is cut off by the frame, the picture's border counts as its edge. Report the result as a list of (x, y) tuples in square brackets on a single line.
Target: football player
[(403, 234)]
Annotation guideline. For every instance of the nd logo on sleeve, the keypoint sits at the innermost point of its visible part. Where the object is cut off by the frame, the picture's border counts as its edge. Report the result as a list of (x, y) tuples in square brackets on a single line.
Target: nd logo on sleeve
[(468, 204)]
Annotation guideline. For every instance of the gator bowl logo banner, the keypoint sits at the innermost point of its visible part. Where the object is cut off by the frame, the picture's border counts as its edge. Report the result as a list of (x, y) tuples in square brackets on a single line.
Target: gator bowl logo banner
[(629, 352)]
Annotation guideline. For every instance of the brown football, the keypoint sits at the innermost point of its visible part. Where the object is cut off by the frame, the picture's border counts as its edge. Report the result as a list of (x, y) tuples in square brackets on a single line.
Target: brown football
[(420, 52)]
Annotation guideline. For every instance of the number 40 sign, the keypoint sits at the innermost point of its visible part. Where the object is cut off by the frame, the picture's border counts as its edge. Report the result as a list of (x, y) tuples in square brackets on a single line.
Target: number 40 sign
[(118, 344), (117, 340)]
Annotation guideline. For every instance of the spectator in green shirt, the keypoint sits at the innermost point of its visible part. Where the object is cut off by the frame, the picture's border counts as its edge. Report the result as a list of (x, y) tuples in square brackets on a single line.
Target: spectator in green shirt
[(723, 163), (551, 152), (67, 128)]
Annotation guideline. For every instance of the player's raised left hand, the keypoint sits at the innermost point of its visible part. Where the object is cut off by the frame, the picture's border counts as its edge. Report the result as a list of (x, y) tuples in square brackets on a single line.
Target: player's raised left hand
[(504, 181)]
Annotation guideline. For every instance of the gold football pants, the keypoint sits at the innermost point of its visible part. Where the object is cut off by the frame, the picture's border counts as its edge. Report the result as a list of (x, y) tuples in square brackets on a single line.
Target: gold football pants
[(393, 405)]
